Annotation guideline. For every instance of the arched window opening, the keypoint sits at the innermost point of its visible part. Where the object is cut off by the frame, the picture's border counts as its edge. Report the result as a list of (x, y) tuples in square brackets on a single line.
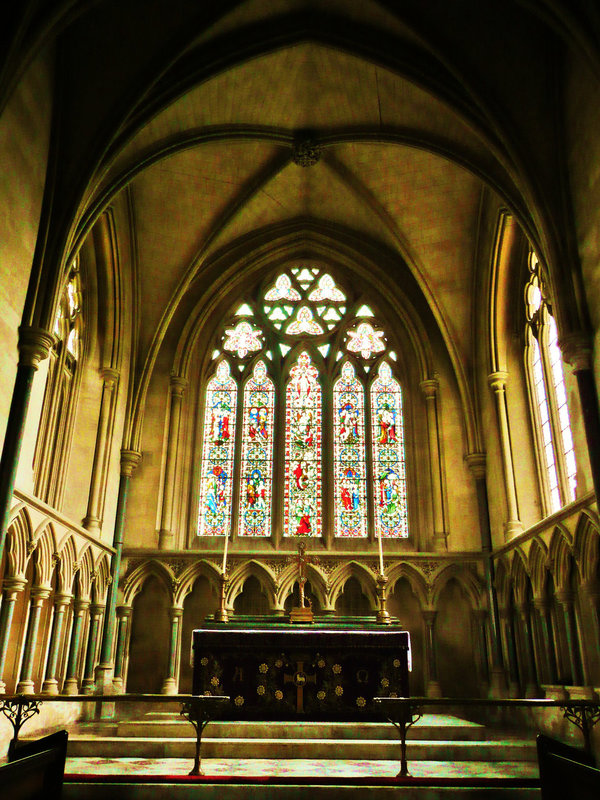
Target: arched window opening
[(54, 432), (548, 396), (304, 347)]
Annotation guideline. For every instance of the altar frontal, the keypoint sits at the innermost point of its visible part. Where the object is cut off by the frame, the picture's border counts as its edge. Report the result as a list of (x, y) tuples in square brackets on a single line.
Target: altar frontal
[(280, 672)]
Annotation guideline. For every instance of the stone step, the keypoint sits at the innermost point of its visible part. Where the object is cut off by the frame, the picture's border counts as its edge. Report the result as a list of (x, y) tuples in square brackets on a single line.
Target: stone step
[(501, 749), (429, 727)]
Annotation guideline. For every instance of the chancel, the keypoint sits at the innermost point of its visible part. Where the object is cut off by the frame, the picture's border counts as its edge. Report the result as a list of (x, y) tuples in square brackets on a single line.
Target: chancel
[(300, 272)]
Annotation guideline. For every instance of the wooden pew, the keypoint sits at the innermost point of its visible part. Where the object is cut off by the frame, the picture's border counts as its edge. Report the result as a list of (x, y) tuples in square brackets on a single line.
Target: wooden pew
[(36, 769), (566, 771)]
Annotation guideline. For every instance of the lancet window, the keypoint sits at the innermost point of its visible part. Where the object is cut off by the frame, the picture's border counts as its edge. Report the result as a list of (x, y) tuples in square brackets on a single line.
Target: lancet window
[(552, 423), (311, 371), (54, 432)]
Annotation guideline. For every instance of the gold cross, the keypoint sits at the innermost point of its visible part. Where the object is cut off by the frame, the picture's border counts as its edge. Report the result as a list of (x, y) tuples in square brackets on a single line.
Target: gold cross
[(300, 679)]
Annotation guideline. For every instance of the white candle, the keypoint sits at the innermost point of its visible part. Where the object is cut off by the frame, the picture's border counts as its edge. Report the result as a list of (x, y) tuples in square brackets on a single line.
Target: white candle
[(380, 554), (225, 553)]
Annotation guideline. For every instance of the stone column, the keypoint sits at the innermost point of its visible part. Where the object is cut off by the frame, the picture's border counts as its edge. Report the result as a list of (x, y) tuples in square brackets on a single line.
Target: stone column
[(34, 346), (543, 608), (123, 615), (480, 620), (591, 590), (61, 604), (105, 669), (477, 465), (71, 685), (531, 690), (166, 536), (36, 602), (566, 600), (10, 590), (513, 526), (577, 349), (95, 615), (171, 684), (429, 389), (509, 638), (433, 688), (92, 520)]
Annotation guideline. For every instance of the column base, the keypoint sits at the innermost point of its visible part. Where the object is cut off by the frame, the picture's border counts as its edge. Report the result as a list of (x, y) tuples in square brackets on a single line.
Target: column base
[(50, 686), (497, 687), (440, 541), (88, 686), (25, 687), (71, 686), (433, 689), (118, 685), (581, 693), (91, 524), (104, 675), (166, 540), (512, 528), (169, 686)]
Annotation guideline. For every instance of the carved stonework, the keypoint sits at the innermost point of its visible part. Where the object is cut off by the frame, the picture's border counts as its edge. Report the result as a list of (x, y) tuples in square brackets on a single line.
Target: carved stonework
[(429, 568), (177, 566), (306, 152), (133, 564)]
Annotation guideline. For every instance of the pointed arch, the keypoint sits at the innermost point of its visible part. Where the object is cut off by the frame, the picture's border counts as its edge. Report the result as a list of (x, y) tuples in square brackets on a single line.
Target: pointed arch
[(538, 567), (352, 569), (100, 578), (262, 573), (19, 544), (289, 577), (586, 547), (415, 578), (187, 579), (136, 580), (468, 581)]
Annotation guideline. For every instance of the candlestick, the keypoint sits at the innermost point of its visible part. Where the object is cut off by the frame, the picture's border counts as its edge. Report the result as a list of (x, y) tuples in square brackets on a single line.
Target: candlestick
[(221, 614), (380, 554), (383, 616), (224, 569)]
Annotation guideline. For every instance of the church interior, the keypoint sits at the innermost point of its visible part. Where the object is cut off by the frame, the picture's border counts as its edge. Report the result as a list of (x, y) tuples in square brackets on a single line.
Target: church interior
[(276, 270)]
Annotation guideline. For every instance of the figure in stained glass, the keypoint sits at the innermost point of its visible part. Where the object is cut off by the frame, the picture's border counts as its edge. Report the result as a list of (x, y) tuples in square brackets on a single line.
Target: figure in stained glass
[(217, 454), (365, 340), (349, 456), (257, 455), (389, 479), (302, 506), (242, 339)]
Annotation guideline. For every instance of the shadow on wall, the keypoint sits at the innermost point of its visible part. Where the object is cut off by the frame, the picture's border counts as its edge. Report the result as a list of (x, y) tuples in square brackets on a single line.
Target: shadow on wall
[(150, 634), (404, 604), (198, 604), (457, 670)]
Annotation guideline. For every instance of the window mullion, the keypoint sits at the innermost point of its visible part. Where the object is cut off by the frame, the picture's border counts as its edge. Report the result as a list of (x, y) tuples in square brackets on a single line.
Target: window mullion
[(557, 440)]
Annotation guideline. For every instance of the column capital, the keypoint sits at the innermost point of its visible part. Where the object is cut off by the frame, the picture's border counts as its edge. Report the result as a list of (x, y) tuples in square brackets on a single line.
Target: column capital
[(34, 345), (176, 612), (429, 616), (591, 587), (429, 388), (39, 593), (123, 612), (80, 605), (13, 585), (476, 462), (542, 604), (178, 385), (564, 597), (577, 350), (110, 376), (129, 461), (498, 380), (62, 599)]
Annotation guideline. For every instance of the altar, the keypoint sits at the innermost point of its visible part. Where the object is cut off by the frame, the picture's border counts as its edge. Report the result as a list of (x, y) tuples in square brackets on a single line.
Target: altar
[(328, 670)]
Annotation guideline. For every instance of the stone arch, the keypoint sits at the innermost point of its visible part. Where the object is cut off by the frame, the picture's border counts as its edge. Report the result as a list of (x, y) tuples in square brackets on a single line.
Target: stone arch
[(520, 580), (19, 536), (188, 578), (586, 547), (352, 569), (467, 581), (134, 583), (45, 545), (318, 584), (85, 571), (100, 578), (415, 579), (67, 555), (560, 559), (538, 570), (264, 576), (502, 582)]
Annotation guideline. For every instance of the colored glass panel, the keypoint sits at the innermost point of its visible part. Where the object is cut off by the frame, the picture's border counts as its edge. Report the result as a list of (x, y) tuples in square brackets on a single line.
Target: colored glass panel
[(304, 323), (257, 455), (350, 504), (564, 420), (302, 500), (389, 468), (326, 290), (365, 340), (545, 424), (242, 339), (217, 454), (283, 290)]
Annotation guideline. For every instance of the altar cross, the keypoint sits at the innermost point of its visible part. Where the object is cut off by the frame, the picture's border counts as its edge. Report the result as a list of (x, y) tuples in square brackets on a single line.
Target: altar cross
[(300, 679)]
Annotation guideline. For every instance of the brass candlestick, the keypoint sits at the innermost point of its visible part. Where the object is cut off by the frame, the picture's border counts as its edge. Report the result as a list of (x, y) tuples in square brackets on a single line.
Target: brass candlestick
[(383, 616), (222, 614)]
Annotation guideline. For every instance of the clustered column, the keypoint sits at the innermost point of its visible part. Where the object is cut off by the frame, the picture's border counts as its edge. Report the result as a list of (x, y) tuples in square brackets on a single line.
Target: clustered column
[(123, 616), (170, 686), (61, 604), (10, 591), (513, 526), (95, 615), (71, 683), (429, 389), (36, 602), (166, 538), (433, 686)]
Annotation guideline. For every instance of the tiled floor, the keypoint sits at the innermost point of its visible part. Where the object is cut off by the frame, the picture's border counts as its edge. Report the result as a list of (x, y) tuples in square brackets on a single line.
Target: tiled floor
[(299, 767)]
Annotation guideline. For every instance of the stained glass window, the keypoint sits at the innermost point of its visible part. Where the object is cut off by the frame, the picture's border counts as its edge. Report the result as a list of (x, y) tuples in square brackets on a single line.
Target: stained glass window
[(549, 395), (302, 501), (365, 340), (283, 290), (257, 455), (326, 290), (350, 504), (304, 323), (242, 339), (217, 454), (389, 472)]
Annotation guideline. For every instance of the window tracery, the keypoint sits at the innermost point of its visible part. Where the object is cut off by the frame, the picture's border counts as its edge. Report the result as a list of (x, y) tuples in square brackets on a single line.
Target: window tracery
[(548, 394), (303, 316)]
